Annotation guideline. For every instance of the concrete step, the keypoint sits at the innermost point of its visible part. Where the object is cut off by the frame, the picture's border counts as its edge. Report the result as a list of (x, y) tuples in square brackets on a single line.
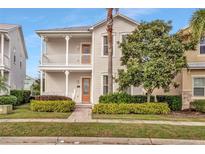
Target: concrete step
[(83, 105)]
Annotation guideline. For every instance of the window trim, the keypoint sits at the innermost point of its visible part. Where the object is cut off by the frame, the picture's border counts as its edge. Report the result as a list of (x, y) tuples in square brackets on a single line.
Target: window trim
[(200, 47), (102, 44), (102, 83), (193, 77)]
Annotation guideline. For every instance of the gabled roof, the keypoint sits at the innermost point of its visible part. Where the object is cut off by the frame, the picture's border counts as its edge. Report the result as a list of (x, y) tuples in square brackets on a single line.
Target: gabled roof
[(85, 28), (9, 27), (78, 28)]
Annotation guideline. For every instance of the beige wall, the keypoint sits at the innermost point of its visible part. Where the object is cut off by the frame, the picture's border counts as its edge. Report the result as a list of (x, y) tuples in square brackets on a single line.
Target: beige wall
[(194, 56), (55, 83), (120, 26), (17, 74)]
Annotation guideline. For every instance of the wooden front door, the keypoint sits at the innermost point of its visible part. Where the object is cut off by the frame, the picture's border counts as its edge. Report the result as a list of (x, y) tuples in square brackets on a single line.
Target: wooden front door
[(86, 90), (86, 54)]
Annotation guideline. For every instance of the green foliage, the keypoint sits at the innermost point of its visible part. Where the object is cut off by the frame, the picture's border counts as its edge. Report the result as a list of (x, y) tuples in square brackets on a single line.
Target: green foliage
[(197, 24), (174, 102), (51, 97), (152, 57), (8, 99), (122, 97), (145, 108), (199, 105), (52, 106), (23, 96), (35, 88), (3, 85)]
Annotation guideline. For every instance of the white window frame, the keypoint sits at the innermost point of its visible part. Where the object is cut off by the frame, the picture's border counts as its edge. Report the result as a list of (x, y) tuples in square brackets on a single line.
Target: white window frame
[(102, 85), (121, 35), (203, 44), (193, 77), (102, 46)]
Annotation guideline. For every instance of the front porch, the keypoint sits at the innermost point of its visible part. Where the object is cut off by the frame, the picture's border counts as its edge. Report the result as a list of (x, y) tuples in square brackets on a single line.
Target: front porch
[(74, 84)]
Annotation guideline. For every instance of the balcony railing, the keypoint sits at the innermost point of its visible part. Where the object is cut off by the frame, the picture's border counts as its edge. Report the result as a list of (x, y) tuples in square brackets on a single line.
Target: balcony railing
[(6, 61), (73, 59)]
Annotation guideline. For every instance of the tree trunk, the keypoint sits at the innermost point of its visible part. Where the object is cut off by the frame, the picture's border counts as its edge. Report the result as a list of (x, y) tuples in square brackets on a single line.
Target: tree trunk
[(148, 97), (110, 49)]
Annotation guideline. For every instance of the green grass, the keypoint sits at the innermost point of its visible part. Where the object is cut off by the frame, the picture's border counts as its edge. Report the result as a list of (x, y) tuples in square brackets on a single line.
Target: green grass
[(102, 130), (168, 117), (23, 111)]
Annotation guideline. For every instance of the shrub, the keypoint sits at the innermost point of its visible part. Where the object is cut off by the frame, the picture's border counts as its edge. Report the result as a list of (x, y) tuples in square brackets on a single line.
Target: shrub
[(174, 102), (123, 98), (198, 105), (51, 97), (144, 108), (8, 99), (23, 96), (52, 106)]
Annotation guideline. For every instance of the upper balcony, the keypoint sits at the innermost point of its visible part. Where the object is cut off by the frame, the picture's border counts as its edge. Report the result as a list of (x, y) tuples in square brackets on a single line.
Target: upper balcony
[(66, 51), (4, 51)]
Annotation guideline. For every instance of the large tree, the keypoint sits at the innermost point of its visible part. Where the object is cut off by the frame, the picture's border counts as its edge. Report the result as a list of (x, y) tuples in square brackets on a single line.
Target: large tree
[(110, 48), (197, 24), (152, 57)]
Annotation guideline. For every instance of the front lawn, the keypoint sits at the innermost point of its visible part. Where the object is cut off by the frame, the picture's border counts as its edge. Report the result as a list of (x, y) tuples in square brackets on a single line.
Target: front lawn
[(169, 117), (23, 111), (102, 130)]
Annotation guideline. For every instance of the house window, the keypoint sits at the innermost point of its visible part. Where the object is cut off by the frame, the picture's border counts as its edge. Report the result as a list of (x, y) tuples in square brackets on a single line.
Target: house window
[(202, 45), (124, 37), (14, 59), (105, 45), (199, 86), (20, 64), (105, 84)]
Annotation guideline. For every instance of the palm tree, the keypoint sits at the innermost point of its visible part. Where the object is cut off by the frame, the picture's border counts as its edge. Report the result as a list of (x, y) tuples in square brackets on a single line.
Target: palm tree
[(3, 85), (110, 47), (197, 24)]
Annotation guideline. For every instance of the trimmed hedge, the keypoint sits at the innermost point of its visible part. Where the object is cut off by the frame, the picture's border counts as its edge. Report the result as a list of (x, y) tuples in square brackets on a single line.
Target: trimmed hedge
[(52, 106), (174, 102), (51, 97), (198, 105), (144, 108), (23, 96), (8, 100)]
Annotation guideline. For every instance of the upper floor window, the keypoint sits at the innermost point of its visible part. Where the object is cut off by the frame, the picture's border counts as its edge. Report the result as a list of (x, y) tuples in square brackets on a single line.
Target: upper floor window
[(202, 45), (105, 84), (199, 86), (14, 57), (124, 37), (20, 64), (105, 45)]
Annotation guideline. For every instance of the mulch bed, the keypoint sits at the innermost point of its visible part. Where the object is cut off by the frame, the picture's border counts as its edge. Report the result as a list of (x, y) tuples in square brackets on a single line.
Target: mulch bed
[(188, 113)]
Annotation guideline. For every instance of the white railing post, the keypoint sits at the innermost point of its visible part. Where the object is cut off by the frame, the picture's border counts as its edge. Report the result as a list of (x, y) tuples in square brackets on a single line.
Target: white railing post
[(42, 48), (2, 49), (41, 82), (66, 83), (67, 48)]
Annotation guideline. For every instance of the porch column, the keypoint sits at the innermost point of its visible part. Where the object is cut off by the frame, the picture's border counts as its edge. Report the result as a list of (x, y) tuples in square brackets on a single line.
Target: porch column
[(2, 73), (2, 49), (42, 39), (67, 48), (41, 82), (66, 82)]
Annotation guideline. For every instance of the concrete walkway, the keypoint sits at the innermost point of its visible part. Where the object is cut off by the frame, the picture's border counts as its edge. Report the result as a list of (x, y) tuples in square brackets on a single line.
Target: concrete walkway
[(84, 115), (97, 140)]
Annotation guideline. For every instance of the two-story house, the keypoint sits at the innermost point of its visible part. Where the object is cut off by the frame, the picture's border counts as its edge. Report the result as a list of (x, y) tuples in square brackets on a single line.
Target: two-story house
[(74, 63), (13, 55)]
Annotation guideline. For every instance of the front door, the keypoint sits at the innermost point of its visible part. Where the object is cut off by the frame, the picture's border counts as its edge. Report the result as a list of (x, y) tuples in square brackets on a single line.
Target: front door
[(86, 90), (86, 56)]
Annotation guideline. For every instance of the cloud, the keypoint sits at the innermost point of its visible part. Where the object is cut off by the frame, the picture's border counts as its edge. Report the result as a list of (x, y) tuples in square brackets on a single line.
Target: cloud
[(133, 13)]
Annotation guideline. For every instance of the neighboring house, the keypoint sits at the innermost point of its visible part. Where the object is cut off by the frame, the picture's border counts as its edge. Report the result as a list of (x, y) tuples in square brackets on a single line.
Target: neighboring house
[(13, 55), (29, 81), (74, 63)]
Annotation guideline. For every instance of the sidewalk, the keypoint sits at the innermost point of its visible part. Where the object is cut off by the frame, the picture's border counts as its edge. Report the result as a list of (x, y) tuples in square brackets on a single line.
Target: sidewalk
[(97, 140), (85, 115)]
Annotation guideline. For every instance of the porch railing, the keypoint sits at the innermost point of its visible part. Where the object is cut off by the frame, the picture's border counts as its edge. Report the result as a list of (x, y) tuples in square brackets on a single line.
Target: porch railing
[(73, 59)]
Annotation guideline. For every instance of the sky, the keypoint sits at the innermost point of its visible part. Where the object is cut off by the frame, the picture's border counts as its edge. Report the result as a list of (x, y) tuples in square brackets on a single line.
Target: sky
[(35, 19)]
